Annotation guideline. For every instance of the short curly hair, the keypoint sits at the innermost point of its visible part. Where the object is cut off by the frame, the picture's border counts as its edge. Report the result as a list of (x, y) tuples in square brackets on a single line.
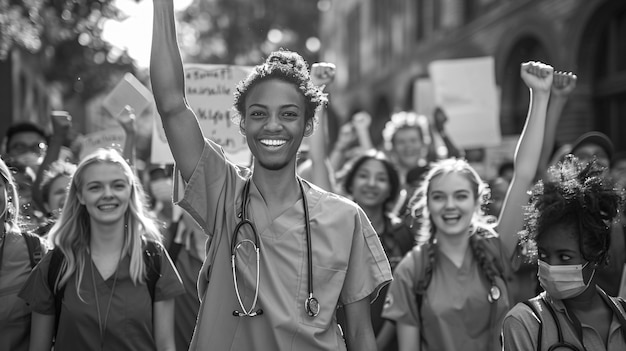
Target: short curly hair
[(576, 193), (289, 67), (404, 120)]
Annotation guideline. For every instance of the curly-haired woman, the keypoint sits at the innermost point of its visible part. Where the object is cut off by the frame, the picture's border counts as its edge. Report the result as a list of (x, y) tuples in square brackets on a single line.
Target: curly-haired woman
[(568, 229), (282, 253)]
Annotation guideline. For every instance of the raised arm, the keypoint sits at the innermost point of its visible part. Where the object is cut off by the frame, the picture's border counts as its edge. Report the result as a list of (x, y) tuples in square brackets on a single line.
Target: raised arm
[(61, 124), (182, 130), (538, 78), (320, 171), (440, 120), (126, 119), (562, 86)]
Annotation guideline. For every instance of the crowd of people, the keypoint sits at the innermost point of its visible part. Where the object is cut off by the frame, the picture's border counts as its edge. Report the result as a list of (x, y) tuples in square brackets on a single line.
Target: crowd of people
[(403, 246)]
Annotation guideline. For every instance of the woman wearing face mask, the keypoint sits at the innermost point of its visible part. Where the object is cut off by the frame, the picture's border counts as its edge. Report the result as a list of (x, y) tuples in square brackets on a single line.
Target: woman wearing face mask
[(568, 228)]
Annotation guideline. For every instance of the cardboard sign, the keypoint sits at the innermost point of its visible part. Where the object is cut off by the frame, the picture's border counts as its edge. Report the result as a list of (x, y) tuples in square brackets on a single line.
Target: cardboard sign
[(109, 138), (467, 92), (128, 92), (209, 90)]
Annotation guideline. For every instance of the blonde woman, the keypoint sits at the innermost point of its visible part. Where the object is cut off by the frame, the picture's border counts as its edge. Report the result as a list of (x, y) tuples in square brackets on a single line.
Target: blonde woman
[(104, 294)]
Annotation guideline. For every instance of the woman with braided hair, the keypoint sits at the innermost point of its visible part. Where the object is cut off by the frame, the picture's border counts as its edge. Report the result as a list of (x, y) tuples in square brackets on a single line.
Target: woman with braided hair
[(568, 229), (450, 299), (450, 292)]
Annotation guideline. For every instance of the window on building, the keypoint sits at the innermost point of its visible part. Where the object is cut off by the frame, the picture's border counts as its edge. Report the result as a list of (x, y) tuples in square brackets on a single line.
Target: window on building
[(353, 44), (610, 77)]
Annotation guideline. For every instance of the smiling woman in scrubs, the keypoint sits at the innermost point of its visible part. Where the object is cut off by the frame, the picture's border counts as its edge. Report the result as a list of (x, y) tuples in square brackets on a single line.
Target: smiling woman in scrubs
[(313, 246), (449, 293), (101, 235)]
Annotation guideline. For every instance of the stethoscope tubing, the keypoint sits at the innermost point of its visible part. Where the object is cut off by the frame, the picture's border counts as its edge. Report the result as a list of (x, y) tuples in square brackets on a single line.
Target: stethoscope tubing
[(311, 304)]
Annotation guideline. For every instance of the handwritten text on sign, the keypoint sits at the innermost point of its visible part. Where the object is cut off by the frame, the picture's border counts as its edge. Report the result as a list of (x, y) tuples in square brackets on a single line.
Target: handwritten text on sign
[(210, 94), (209, 90)]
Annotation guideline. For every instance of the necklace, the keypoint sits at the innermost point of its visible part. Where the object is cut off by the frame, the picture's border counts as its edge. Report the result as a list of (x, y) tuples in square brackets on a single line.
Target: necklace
[(103, 325)]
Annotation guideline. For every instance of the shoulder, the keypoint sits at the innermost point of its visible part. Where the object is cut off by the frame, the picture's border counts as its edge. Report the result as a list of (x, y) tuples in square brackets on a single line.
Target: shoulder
[(330, 200), (414, 263)]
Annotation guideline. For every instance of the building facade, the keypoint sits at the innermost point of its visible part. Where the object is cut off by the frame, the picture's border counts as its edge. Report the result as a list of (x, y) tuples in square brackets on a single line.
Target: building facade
[(386, 45)]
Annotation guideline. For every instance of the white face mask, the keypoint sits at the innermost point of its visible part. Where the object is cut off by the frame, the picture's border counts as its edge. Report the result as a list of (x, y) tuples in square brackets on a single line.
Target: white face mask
[(162, 189), (563, 282)]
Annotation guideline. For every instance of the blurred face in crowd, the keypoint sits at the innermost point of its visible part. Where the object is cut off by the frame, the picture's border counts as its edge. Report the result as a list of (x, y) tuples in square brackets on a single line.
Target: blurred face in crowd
[(27, 149), (451, 203), (371, 186), (105, 192), (57, 194), (407, 145), (274, 123)]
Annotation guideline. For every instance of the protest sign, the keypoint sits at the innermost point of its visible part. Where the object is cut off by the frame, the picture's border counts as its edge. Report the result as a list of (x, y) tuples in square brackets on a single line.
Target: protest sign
[(209, 91), (128, 92), (108, 138), (466, 90)]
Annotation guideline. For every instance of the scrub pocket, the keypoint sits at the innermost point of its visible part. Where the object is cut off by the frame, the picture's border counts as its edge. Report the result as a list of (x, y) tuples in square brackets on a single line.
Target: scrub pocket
[(327, 285)]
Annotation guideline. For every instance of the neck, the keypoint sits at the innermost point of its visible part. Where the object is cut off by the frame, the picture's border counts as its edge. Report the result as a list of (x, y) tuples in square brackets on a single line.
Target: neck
[(453, 246), (587, 301), (276, 186), (107, 239)]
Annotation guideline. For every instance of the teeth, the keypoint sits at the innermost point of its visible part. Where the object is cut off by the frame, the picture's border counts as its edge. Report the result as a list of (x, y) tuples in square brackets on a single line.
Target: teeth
[(107, 207), (273, 142)]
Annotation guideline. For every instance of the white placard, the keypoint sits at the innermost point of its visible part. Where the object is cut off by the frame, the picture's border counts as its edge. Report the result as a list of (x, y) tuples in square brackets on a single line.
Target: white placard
[(209, 90), (129, 91), (466, 90)]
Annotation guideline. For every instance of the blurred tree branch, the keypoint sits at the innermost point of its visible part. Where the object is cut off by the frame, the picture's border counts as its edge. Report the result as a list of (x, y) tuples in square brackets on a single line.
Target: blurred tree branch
[(67, 36)]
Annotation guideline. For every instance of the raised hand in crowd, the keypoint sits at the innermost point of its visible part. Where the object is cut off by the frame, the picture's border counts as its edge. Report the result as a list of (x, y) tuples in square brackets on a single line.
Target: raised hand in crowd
[(61, 131), (317, 168), (563, 84)]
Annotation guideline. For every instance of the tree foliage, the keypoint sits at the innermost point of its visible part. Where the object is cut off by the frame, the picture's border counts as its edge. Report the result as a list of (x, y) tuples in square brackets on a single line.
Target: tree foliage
[(236, 31), (67, 36)]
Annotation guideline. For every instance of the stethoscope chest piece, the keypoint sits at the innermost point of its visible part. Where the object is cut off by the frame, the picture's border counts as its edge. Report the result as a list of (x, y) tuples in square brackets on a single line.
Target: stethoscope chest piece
[(312, 306), (494, 294)]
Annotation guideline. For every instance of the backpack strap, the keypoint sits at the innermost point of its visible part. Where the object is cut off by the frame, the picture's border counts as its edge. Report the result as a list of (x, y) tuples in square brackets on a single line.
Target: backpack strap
[(421, 265), (33, 243), (537, 315), (152, 259), (615, 303), (54, 274), (173, 248)]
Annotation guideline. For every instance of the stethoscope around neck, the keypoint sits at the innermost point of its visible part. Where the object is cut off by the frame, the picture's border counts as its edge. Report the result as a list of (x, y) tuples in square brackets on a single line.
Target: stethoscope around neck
[(311, 304)]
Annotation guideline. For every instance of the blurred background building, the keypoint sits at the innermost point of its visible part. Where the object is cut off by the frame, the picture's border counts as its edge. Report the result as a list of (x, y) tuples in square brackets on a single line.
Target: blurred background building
[(386, 45), (53, 56)]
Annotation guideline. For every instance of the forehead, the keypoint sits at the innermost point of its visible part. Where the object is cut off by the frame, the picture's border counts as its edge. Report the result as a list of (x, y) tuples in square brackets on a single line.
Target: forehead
[(406, 133), (103, 171), (274, 93), (373, 165), (60, 182), (450, 182), (26, 137), (590, 150), (560, 236)]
